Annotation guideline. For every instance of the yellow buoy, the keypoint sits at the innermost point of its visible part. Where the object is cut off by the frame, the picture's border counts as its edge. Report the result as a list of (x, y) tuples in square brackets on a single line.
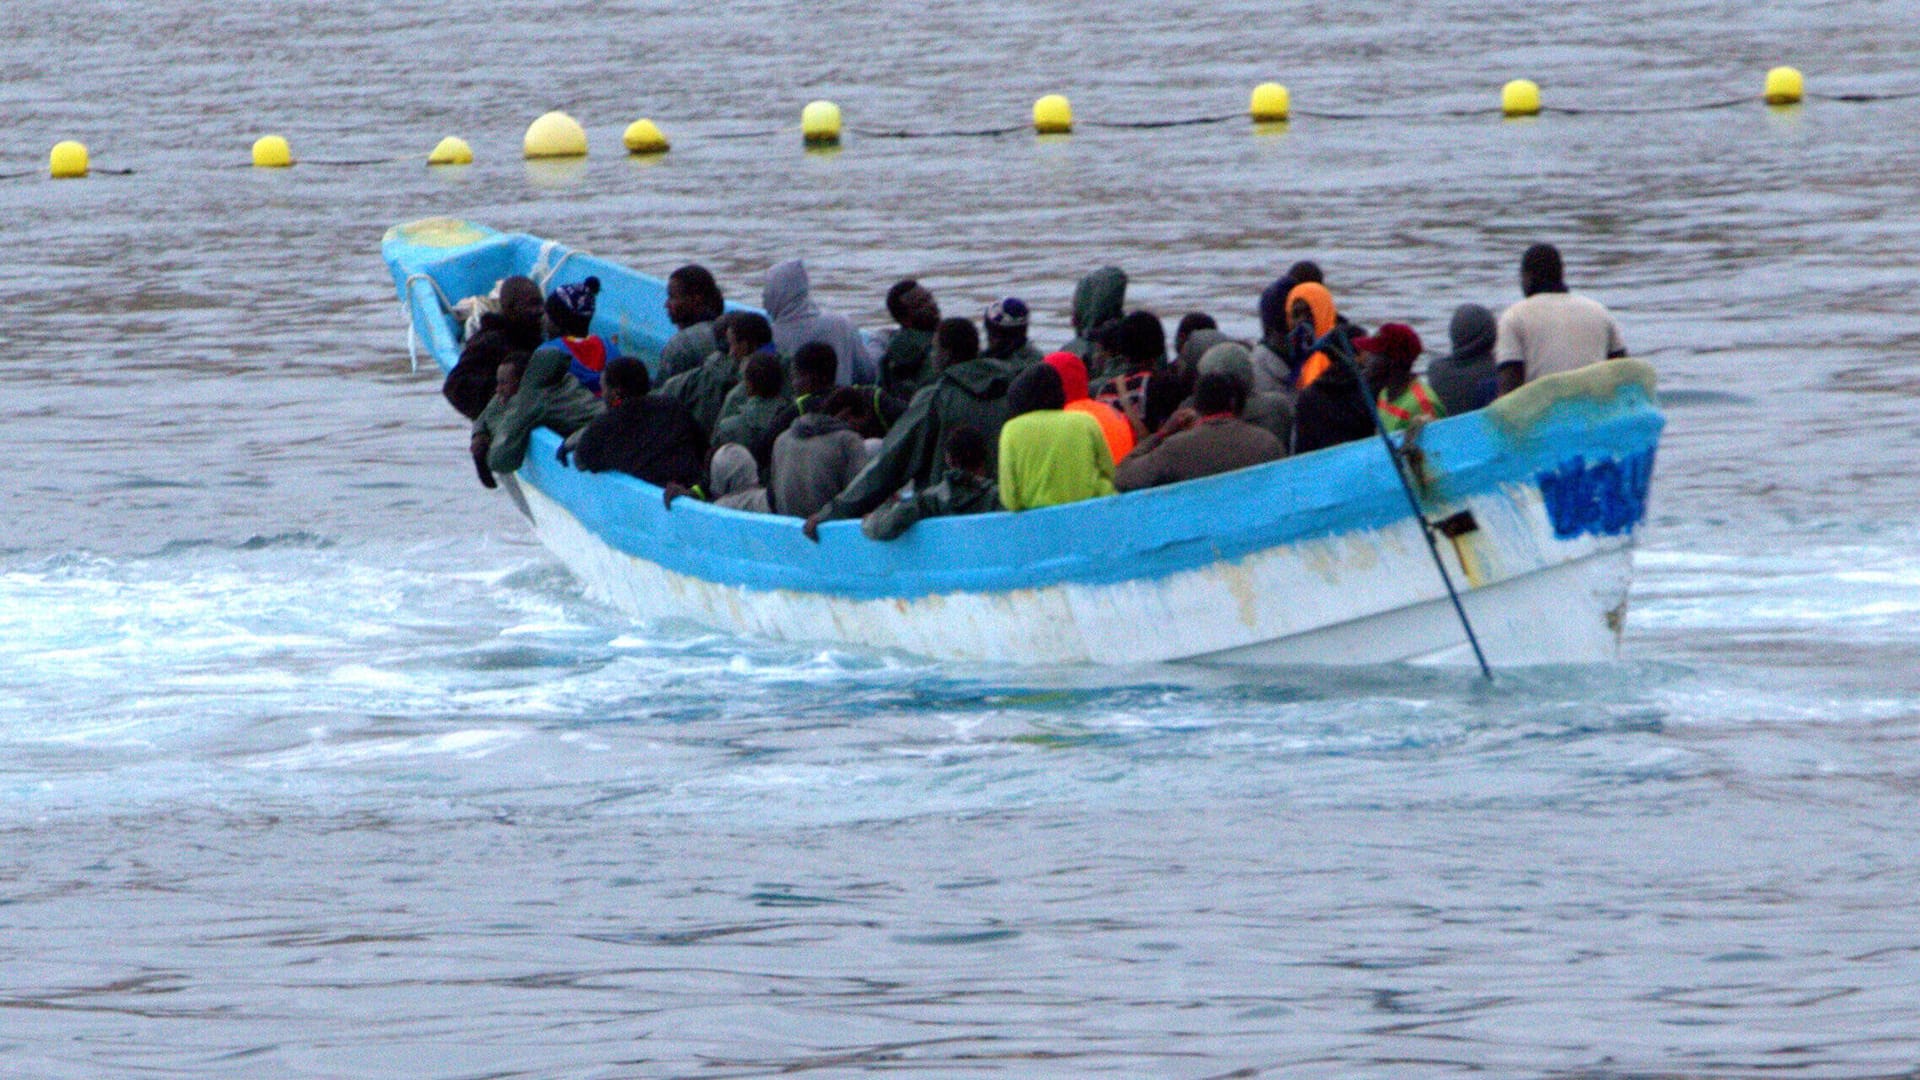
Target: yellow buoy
[(451, 151), (1053, 115), (1784, 86), (271, 152), (555, 135), (1271, 104), (1521, 97), (645, 137), (820, 123), (69, 160)]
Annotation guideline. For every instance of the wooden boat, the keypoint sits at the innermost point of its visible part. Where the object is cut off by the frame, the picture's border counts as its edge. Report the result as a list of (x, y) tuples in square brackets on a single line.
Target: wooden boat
[(1315, 559)]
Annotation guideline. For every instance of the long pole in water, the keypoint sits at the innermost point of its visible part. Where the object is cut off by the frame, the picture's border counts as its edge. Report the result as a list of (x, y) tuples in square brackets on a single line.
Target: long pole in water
[(1413, 502)]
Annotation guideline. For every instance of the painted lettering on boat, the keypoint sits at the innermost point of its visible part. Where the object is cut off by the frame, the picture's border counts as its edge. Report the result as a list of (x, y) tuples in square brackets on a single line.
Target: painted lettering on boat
[(1600, 498)]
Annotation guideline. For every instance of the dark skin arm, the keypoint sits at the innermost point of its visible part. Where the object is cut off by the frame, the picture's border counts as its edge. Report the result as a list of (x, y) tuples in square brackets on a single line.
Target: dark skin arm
[(810, 528), (481, 444)]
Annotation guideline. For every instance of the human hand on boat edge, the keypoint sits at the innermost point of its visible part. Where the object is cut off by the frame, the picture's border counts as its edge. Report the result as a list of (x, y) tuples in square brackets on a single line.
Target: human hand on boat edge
[(481, 444), (810, 528)]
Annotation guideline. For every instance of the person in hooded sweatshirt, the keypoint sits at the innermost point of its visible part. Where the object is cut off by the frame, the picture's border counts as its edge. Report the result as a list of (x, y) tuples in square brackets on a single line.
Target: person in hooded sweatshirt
[(1204, 440), (906, 360), (516, 328), (788, 299), (1463, 379), (1335, 409), (1098, 299), (1272, 374), (1049, 456), (1315, 336), (1005, 322), (705, 389), (819, 454), (543, 394), (570, 314), (1073, 382), (693, 303), (763, 412), (969, 390), (641, 434), (964, 488), (733, 481)]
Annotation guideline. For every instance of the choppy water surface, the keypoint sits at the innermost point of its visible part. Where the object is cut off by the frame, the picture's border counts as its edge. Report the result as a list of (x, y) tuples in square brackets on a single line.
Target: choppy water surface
[(312, 764)]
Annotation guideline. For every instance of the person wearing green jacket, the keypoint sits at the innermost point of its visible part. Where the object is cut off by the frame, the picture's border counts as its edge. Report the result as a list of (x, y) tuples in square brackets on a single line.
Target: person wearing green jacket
[(704, 389), (1049, 456), (965, 488), (1098, 299), (969, 390), (762, 413), (539, 391), (693, 303), (907, 362)]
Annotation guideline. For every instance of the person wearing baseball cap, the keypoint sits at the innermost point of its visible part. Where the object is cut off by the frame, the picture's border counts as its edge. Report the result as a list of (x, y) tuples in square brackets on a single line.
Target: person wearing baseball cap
[(1006, 324), (1401, 396)]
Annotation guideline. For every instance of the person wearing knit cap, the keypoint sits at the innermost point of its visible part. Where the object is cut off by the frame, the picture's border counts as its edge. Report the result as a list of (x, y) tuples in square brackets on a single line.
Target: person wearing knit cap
[(570, 315), (1402, 397), (1006, 325), (1073, 381), (1049, 456)]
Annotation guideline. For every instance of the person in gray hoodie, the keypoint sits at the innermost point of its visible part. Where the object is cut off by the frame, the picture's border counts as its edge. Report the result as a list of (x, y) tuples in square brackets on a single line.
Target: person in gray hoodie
[(1099, 298), (734, 481), (788, 299), (1464, 379), (818, 455)]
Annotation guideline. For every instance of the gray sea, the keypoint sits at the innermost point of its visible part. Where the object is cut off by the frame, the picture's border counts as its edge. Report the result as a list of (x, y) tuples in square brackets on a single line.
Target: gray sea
[(313, 764)]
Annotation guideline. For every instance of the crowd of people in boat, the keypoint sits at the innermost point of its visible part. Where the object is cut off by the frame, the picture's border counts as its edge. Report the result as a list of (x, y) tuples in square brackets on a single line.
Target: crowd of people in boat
[(798, 412)]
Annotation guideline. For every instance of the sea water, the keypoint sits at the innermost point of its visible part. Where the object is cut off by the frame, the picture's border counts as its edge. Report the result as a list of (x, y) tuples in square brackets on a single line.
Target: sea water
[(313, 764)]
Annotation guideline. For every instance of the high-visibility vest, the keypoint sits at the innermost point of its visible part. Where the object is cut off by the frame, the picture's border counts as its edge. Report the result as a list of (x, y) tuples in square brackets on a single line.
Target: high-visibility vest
[(1397, 412)]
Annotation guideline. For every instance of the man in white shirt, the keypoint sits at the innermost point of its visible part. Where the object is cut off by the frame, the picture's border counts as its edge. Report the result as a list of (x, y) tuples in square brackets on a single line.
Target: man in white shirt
[(1551, 330)]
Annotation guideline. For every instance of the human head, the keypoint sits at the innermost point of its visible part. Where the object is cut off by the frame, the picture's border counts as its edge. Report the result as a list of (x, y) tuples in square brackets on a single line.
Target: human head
[(1191, 321), (1098, 297), (732, 470), (1318, 306), (693, 296), (855, 407), (815, 368), (506, 377), (570, 307), (1228, 358), (1472, 330), (1273, 309), (1073, 375), (913, 306), (1388, 355), (1541, 270), (520, 303), (748, 332), (763, 375), (1103, 345), (1218, 392), (1142, 341), (1006, 323), (1306, 270), (1186, 359), (956, 341), (625, 379), (967, 450), (1035, 388)]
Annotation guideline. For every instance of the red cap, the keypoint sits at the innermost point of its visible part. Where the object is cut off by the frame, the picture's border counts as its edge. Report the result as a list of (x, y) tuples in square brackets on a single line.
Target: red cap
[(1395, 341)]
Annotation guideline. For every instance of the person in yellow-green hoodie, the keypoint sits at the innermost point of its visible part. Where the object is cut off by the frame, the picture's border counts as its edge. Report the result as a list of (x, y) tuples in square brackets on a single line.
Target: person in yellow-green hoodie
[(1048, 455)]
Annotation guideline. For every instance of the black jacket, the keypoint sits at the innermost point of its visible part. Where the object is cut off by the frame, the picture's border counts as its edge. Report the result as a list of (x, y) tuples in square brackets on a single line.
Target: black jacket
[(470, 384), (655, 439), (1331, 411)]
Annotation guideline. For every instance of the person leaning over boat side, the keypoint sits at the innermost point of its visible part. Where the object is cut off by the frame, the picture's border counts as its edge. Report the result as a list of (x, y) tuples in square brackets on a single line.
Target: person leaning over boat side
[(1049, 456), (693, 302), (1208, 438), (1073, 381), (764, 410), (1274, 412), (1098, 299), (819, 454), (516, 328), (964, 488), (1005, 322), (642, 434), (788, 299), (1551, 330), (570, 315), (906, 360), (969, 390), (1463, 379), (545, 394), (704, 390), (1402, 397)]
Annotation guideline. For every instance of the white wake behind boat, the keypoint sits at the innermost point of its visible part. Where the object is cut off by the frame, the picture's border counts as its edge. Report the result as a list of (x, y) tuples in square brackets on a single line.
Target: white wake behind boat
[(1315, 559)]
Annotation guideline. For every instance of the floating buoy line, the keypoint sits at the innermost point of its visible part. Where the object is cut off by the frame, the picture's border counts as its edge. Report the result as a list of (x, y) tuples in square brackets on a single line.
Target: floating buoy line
[(558, 135)]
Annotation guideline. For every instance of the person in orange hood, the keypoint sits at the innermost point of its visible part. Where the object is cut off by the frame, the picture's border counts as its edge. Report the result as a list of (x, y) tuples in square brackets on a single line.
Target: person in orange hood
[(1073, 379), (1314, 332)]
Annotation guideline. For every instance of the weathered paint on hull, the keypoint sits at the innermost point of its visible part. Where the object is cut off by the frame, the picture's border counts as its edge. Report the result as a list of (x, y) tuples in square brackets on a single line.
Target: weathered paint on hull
[(1360, 598)]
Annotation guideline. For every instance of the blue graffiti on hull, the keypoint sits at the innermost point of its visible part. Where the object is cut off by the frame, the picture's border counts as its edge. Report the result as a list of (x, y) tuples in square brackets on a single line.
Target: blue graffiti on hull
[(1602, 498)]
